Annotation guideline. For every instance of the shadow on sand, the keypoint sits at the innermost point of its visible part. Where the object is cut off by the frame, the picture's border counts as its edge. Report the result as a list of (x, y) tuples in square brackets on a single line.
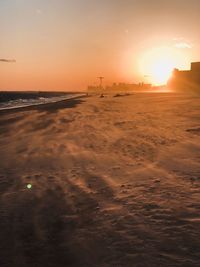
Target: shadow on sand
[(52, 224)]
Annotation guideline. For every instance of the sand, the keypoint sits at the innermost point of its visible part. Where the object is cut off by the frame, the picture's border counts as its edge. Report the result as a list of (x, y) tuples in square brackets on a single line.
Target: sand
[(115, 182)]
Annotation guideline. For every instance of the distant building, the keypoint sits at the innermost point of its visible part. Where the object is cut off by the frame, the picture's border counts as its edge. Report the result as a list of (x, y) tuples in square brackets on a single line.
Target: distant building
[(122, 87), (186, 80)]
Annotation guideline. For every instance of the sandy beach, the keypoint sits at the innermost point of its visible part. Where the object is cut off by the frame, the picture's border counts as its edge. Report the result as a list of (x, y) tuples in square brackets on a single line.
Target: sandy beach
[(115, 182)]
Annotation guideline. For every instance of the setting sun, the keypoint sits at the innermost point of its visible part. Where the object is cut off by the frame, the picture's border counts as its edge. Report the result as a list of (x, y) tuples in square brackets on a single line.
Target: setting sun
[(158, 64)]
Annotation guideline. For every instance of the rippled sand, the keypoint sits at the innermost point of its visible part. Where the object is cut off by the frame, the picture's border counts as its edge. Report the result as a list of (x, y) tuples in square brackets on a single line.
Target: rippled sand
[(115, 182)]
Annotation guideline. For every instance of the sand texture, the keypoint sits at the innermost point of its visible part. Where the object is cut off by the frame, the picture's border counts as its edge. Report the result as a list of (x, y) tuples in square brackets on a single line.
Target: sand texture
[(115, 183)]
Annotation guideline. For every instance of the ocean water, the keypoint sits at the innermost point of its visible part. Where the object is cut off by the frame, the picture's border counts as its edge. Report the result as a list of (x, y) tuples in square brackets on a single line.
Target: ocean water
[(13, 100)]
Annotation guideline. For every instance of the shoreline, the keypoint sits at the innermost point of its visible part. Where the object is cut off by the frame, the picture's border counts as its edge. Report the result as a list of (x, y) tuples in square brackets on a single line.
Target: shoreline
[(41, 105), (38, 104)]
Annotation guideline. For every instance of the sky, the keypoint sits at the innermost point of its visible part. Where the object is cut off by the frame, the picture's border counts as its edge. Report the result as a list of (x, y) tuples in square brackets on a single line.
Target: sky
[(67, 44)]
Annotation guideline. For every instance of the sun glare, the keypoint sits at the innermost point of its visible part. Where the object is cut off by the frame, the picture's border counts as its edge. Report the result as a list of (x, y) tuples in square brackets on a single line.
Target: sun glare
[(158, 64)]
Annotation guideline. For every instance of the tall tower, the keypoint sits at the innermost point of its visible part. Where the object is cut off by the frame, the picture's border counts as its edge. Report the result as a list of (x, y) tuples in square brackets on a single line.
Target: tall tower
[(100, 81)]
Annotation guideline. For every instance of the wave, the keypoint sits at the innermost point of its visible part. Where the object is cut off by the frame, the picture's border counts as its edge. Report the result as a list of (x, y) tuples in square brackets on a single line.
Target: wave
[(20, 103)]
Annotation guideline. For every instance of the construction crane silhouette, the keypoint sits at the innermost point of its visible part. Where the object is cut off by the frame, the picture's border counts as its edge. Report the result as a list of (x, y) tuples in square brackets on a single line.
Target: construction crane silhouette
[(100, 81)]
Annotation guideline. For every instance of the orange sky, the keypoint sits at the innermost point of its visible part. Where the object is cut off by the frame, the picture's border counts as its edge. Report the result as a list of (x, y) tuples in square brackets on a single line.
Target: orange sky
[(66, 44)]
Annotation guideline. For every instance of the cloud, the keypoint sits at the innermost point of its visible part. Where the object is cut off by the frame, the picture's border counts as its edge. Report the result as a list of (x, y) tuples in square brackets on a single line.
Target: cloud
[(183, 45), (7, 60)]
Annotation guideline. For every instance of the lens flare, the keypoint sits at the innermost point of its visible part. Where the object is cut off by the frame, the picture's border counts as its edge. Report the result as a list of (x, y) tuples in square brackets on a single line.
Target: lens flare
[(29, 186)]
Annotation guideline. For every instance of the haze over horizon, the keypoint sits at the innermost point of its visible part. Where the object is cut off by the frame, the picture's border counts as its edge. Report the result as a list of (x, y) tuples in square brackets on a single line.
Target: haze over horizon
[(65, 44)]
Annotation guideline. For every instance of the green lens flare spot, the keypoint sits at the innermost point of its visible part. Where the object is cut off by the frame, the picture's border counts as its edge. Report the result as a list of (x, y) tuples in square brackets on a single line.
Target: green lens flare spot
[(29, 186)]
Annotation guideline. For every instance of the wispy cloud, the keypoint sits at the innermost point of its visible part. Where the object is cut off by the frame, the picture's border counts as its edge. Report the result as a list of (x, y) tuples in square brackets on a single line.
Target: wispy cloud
[(183, 45), (7, 60)]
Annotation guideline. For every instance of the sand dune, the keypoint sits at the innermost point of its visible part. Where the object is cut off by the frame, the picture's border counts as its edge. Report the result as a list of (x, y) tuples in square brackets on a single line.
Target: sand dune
[(115, 182)]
